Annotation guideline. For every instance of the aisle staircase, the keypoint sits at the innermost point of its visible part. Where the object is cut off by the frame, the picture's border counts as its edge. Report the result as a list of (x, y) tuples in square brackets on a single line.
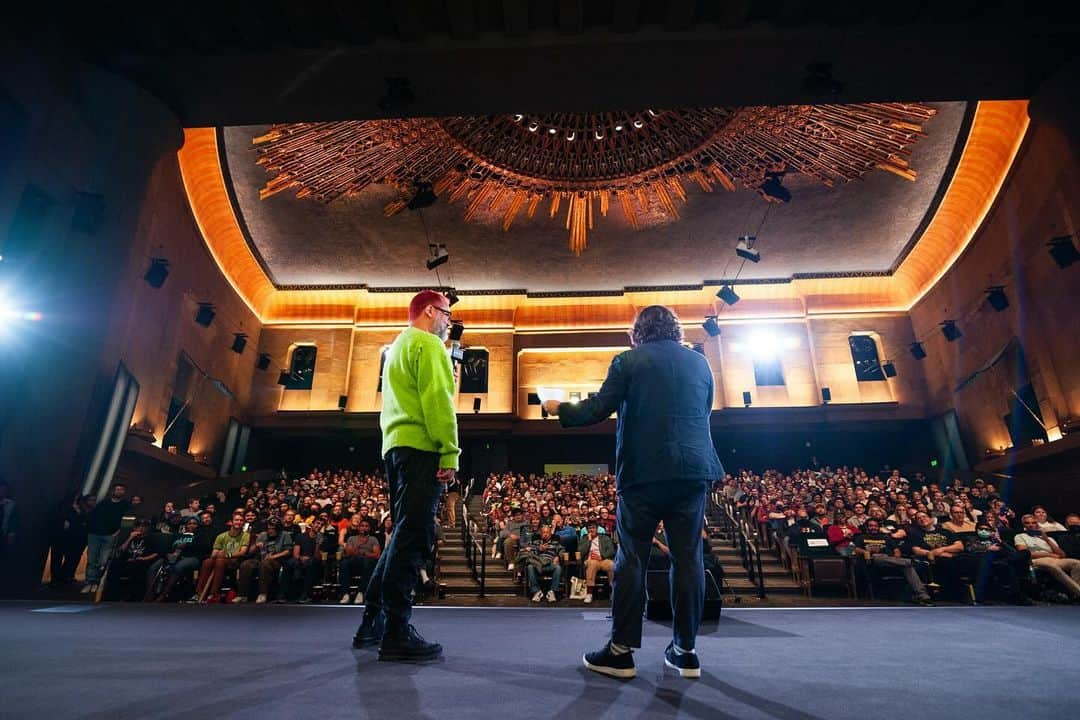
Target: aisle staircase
[(778, 580)]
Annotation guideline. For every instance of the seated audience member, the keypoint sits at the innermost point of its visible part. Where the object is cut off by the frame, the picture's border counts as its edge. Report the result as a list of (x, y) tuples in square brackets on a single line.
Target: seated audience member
[(659, 553), (998, 564), (272, 549), (307, 558), (386, 530), (68, 539), (937, 546), (566, 533), (840, 535), (361, 553), (541, 557), (506, 546), (192, 510), (1047, 556), (133, 559), (959, 523), (195, 542), (877, 549), (230, 548), (597, 553), (606, 521), (1070, 541), (1046, 523)]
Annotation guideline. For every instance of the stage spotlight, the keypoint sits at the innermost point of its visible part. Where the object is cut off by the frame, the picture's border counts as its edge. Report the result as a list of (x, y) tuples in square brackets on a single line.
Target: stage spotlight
[(452, 297), (263, 363), (950, 331), (711, 326), (205, 315), (746, 398), (995, 295), (438, 255), (773, 187), (826, 396), (728, 295), (745, 249), (889, 369), (917, 351), (425, 196), (159, 270), (1063, 251), (239, 342)]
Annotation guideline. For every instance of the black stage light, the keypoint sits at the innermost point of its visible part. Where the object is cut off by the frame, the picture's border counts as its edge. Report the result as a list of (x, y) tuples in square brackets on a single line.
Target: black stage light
[(159, 270), (950, 331), (746, 398), (728, 295), (889, 369), (425, 196), (239, 342), (1063, 251), (711, 326), (205, 314), (826, 396), (284, 377), (773, 187), (452, 297), (438, 255), (745, 249), (995, 295), (263, 362), (917, 351)]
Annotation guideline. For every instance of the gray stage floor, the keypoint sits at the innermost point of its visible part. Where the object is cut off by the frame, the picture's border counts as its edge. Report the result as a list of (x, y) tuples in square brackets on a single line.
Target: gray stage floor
[(131, 661)]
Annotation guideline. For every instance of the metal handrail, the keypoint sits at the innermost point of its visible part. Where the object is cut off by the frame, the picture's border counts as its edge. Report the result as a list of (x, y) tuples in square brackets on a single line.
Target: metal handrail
[(745, 540), (476, 543)]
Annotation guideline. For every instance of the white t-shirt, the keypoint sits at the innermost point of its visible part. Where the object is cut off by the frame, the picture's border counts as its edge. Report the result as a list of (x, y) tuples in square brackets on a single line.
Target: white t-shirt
[(1034, 543)]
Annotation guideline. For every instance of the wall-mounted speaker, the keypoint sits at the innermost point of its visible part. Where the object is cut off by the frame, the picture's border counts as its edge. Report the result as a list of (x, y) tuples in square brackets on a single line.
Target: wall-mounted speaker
[(826, 395), (263, 363), (476, 405), (158, 271), (534, 399), (746, 398), (205, 314), (239, 342), (890, 369), (342, 401)]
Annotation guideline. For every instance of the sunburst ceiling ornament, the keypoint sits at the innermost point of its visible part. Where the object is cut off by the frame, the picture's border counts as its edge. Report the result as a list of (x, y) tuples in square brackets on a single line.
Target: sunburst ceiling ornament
[(506, 163)]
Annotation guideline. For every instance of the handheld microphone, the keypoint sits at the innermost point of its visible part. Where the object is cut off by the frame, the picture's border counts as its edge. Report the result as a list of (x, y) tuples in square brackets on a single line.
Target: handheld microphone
[(457, 329)]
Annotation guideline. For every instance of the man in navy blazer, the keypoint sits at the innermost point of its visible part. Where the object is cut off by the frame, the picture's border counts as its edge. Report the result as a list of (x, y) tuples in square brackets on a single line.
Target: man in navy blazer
[(665, 462)]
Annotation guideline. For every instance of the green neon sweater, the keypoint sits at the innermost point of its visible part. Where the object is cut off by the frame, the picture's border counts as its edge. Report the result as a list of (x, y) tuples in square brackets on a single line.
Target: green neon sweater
[(418, 397)]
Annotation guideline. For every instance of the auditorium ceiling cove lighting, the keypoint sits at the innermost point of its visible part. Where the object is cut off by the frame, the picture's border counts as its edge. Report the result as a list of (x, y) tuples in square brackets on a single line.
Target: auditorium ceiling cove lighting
[(578, 164)]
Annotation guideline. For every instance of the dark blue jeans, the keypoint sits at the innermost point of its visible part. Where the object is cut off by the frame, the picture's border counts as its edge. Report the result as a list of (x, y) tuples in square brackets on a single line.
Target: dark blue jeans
[(414, 499), (682, 508)]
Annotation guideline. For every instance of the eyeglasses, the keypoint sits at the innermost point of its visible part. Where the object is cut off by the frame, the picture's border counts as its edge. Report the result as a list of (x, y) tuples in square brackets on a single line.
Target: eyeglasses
[(444, 312)]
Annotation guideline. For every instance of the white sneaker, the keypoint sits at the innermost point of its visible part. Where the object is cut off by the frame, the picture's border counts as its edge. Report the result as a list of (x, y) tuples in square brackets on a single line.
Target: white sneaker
[(498, 556), (86, 588), (538, 597), (261, 599), (344, 599), (241, 599), (588, 598), (551, 596), (510, 567), (359, 599)]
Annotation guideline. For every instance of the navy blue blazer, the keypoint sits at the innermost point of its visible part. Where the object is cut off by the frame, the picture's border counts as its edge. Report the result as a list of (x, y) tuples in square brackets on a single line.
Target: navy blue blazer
[(663, 393)]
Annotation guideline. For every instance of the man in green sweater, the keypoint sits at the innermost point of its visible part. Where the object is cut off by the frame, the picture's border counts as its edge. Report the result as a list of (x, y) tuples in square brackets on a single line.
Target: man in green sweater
[(420, 449)]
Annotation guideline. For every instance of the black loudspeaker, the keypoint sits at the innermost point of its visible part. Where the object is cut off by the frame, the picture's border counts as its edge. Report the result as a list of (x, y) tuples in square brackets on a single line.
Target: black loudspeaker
[(1063, 251), (658, 603), (263, 363), (89, 213), (534, 399), (917, 351), (239, 342), (890, 369), (950, 331), (746, 398), (476, 405), (826, 395), (159, 270), (342, 401), (205, 314)]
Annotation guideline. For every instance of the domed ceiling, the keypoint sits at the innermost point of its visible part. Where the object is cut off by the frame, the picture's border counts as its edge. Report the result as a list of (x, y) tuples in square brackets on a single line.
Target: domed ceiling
[(592, 202)]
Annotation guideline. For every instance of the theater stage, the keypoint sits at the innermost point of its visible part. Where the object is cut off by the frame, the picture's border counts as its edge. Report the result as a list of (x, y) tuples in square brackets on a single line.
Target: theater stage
[(182, 661)]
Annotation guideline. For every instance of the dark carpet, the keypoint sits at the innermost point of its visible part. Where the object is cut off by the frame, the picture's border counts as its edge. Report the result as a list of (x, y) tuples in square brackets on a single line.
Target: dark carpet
[(130, 661)]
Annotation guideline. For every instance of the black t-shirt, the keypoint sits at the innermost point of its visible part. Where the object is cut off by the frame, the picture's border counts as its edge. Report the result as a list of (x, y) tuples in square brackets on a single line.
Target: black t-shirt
[(106, 516), (877, 543), (929, 539), (804, 528), (203, 542), (329, 539), (309, 546), (1069, 542)]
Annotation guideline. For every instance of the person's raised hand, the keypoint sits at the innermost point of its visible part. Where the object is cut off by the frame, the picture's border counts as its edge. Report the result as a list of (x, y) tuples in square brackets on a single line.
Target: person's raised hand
[(551, 407)]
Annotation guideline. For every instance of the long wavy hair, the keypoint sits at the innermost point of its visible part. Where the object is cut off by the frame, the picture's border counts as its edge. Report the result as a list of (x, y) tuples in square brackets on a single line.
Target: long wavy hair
[(653, 323)]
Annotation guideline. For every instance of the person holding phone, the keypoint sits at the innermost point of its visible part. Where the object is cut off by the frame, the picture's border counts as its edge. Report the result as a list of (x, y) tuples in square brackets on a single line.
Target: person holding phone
[(1047, 556)]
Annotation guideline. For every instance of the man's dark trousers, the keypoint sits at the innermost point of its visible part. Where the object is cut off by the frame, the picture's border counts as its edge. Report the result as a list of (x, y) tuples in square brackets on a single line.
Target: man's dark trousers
[(414, 498), (682, 508)]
